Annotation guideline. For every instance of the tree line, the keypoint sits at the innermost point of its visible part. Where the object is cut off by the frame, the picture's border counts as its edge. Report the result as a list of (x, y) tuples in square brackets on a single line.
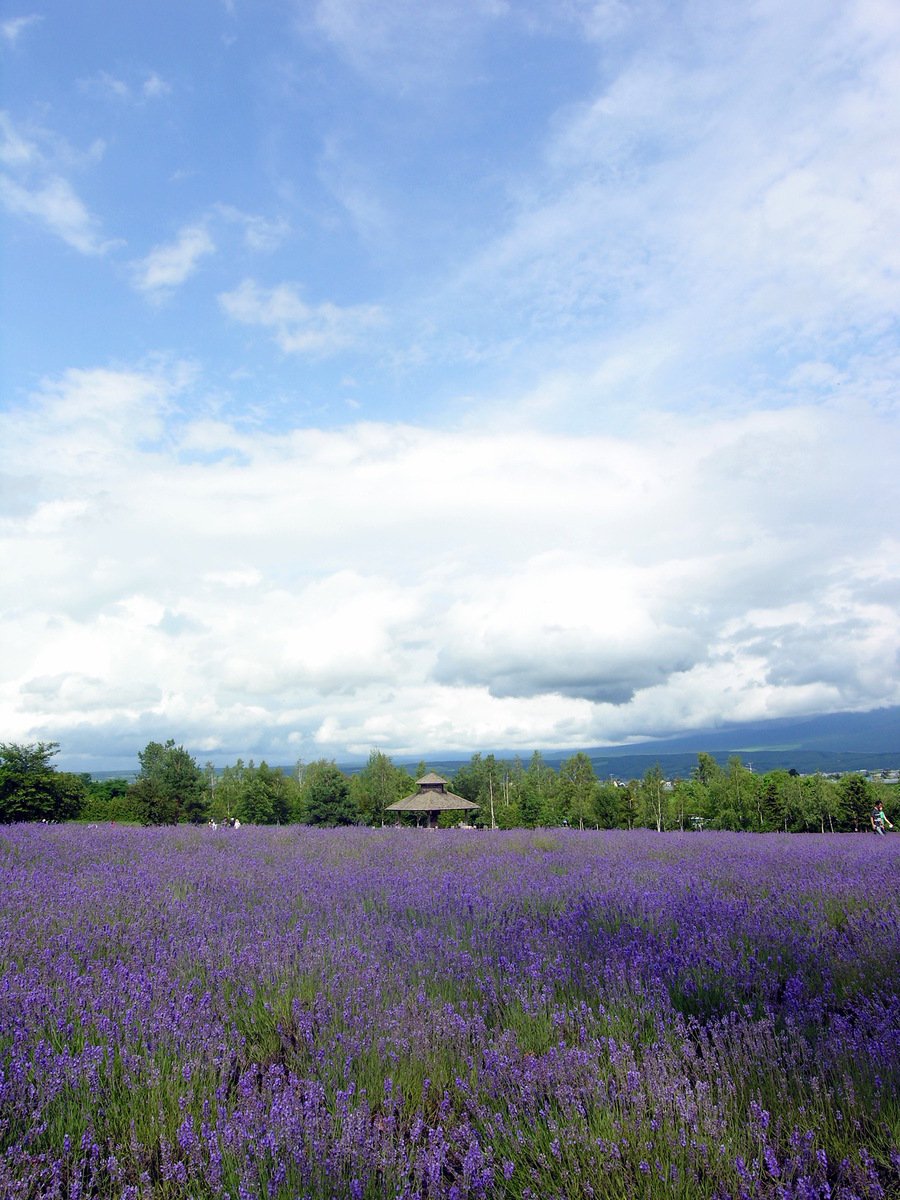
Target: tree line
[(171, 787)]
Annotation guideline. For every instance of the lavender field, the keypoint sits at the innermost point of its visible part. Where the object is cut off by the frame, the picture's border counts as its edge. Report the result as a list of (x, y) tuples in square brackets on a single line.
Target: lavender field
[(188, 1013)]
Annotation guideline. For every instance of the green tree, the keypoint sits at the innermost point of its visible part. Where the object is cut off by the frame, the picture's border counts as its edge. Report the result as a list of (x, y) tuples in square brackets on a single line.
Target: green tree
[(256, 803), (479, 780), (31, 789), (627, 804), (858, 799), (535, 786), (690, 803), (227, 790), (280, 789), (578, 789), (737, 805), (707, 770), (377, 785), (654, 798), (529, 803), (682, 801), (326, 795), (776, 797), (821, 803), (710, 792), (108, 800), (261, 795), (506, 807), (170, 786), (608, 805)]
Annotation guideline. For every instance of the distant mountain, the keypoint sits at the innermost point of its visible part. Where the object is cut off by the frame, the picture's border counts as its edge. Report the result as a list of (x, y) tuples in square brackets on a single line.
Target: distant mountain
[(835, 742), (876, 732)]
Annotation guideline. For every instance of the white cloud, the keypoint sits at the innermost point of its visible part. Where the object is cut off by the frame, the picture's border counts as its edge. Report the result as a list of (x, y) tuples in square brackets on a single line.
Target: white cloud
[(401, 44), (356, 189), (154, 86), (260, 233), (16, 151), (170, 265), (726, 197), (432, 590), (110, 85), (54, 204), (298, 327), (13, 28), (33, 188), (134, 91)]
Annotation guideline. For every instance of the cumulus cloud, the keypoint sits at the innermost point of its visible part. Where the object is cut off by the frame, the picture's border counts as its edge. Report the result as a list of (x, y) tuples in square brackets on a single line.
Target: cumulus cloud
[(299, 327), (170, 265), (422, 589), (668, 496)]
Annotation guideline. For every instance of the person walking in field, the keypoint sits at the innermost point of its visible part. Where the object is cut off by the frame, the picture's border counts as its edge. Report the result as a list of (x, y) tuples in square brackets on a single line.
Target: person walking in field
[(879, 819)]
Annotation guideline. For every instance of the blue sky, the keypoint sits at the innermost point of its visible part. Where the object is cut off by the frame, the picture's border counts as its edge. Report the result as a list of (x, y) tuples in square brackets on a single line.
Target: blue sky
[(445, 377)]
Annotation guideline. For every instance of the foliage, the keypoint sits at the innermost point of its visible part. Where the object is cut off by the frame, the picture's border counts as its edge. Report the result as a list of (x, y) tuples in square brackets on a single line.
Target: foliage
[(170, 786), (378, 785), (325, 795), (31, 789), (858, 798), (255, 795), (109, 800), (479, 780), (653, 799), (578, 790)]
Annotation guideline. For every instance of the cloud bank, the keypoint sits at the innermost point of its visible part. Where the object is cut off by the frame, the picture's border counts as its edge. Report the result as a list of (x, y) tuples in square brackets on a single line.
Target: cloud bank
[(304, 592)]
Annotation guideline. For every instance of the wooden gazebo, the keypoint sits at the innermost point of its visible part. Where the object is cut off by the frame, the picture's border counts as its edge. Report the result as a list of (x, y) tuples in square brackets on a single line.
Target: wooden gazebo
[(432, 798)]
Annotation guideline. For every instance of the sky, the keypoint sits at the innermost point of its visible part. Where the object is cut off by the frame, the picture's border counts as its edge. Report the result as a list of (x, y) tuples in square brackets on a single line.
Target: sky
[(446, 377)]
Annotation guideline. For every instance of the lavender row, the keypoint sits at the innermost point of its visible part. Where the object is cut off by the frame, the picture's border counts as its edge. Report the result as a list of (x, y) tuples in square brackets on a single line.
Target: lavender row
[(188, 1013)]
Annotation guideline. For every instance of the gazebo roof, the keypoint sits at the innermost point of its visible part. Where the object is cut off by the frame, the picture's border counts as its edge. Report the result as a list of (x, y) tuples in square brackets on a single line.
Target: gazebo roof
[(432, 796), (430, 802)]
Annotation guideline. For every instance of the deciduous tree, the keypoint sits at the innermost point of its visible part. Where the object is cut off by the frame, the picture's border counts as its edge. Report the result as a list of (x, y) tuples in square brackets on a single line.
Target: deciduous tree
[(653, 797), (31, 789), (377, 785), (578, 788)]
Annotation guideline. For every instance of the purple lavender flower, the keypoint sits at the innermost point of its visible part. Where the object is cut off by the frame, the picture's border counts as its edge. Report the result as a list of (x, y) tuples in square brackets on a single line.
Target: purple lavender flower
[(361, 1013)]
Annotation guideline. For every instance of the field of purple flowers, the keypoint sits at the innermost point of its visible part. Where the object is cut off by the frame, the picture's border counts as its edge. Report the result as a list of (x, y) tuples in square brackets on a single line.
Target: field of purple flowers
[(188, 1014)]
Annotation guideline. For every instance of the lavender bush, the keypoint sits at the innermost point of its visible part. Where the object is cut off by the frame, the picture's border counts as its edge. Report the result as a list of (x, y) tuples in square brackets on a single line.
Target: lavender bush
[(188, 1013)]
